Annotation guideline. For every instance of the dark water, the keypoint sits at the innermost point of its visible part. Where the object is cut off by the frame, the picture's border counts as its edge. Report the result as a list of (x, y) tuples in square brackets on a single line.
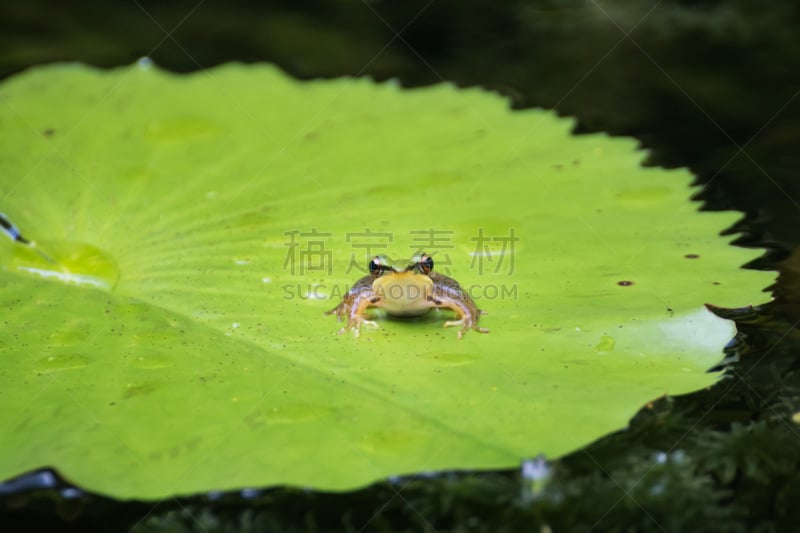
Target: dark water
[(714, 86)]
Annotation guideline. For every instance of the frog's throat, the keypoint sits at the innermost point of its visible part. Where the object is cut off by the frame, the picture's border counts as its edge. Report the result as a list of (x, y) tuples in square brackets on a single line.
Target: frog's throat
[(404, 294)]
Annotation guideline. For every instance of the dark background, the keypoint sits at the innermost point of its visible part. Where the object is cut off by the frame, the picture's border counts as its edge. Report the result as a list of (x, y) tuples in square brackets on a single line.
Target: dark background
[(713, 86)]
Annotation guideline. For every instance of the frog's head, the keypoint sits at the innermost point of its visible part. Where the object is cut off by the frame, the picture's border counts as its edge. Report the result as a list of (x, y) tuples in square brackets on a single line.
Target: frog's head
[(403, 290)]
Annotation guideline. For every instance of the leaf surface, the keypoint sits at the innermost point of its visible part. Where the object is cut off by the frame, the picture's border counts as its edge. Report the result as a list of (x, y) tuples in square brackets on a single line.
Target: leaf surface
[(165, 333)]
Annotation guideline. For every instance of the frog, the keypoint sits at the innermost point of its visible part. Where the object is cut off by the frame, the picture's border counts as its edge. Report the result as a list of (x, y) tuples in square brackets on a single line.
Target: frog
[(406, 292)]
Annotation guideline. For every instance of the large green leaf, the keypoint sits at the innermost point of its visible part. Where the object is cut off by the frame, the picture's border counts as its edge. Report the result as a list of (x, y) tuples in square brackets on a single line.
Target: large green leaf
[(165, 335)]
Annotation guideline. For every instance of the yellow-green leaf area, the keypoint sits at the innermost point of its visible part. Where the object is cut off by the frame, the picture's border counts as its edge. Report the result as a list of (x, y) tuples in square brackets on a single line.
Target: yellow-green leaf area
[(164, 333)]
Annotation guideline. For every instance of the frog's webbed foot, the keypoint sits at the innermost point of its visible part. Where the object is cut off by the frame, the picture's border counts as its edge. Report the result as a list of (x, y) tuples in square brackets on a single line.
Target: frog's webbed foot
[(353, 308), (355, 323), (467, 315), (466, 322)]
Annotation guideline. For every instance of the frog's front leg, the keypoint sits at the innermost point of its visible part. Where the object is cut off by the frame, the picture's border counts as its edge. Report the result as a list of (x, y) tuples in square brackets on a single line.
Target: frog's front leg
[(466, 310), (353, 307)]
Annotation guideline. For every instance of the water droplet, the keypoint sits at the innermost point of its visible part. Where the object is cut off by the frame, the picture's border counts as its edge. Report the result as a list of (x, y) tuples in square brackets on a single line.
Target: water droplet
[(314, 293), (144, 63), (241, 261), (59, 362), (249, 494), (67, 262), (266, 280), (71, 493)]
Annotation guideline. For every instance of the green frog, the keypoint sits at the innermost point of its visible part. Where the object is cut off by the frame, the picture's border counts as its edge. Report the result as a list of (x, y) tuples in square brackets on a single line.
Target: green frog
[(410, 291)]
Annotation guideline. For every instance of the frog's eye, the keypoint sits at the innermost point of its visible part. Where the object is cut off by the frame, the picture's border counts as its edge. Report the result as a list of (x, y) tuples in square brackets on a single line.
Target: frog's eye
[(424, 263), (378, 265)]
